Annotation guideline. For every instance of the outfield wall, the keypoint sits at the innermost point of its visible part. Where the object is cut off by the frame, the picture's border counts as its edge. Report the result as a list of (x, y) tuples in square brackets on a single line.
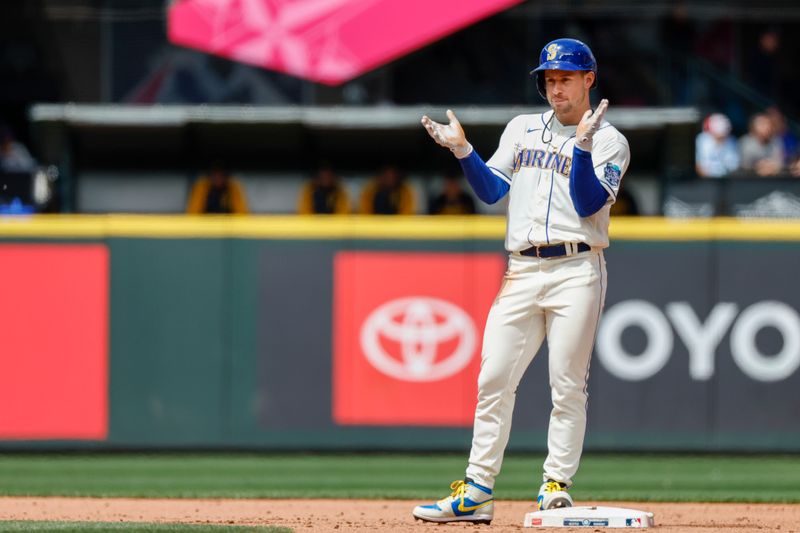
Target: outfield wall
[(357, 332)]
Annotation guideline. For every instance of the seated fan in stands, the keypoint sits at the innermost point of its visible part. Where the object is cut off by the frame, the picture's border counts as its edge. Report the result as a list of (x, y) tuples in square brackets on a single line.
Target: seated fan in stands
[(217, 193)]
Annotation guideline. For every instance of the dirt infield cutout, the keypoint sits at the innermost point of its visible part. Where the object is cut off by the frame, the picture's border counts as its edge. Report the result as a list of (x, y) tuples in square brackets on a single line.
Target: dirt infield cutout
[(336, 516)]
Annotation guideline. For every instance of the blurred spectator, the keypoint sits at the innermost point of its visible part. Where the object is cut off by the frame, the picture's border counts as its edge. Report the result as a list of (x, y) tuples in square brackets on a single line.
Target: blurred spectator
[(14, 157), (787, 138), (678, 30), (761, 151), (716, 154), (625, 204), (217, 192), (763, 67), (324, 195), (453, 200), (715, 43), (387, 194), (794, 168)]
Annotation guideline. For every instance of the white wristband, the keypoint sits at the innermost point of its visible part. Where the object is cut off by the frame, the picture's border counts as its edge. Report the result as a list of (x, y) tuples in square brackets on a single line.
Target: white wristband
[(462, 151)]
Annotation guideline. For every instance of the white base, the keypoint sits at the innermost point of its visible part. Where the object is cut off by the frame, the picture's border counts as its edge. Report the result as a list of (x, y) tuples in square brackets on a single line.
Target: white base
[(594, 517)]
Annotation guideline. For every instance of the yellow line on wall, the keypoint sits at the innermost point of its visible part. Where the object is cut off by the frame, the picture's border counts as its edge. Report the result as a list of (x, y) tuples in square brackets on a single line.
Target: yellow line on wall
[(375, 227)]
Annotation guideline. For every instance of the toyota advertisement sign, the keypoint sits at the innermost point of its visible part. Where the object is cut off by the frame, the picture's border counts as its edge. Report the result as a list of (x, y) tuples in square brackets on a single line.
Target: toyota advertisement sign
[(701, 339), (407, 335), (698, 348)]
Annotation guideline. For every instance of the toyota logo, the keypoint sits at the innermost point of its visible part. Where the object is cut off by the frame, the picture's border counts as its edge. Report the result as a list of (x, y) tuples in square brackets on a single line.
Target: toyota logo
[(419, 326)]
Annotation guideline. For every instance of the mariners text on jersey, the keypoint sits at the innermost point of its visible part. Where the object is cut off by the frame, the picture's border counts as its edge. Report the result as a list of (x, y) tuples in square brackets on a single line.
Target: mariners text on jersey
[(535, 158), (527, 157)]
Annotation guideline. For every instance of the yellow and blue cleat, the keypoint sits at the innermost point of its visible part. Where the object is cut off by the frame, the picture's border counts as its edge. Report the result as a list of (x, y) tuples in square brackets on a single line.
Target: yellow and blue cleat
[(553, 495), (469, 502)]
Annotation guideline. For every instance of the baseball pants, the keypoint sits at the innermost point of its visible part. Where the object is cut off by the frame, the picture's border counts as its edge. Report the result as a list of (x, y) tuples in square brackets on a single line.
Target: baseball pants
[(559, 299)]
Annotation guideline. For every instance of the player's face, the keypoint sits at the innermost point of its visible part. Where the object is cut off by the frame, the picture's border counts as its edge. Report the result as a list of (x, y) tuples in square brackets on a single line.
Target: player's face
[(567, 91)]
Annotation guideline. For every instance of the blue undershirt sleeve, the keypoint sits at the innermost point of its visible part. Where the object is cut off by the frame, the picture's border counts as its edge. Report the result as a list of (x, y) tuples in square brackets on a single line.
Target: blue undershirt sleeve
[(486, 184), (588, 195)]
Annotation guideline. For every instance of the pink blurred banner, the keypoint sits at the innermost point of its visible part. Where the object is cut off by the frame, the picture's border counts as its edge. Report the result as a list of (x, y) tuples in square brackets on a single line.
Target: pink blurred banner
[(327, 41)]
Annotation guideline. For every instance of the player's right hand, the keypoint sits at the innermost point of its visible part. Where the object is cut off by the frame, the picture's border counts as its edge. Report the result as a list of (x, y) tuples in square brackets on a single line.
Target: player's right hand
[(449, 135)]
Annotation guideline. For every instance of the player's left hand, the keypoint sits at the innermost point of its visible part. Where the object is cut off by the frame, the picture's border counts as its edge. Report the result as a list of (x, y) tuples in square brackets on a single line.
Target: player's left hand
[(589, 124), (449, 135)]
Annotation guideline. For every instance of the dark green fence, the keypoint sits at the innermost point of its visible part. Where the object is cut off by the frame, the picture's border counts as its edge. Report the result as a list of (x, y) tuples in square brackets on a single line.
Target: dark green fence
[(225, 333)]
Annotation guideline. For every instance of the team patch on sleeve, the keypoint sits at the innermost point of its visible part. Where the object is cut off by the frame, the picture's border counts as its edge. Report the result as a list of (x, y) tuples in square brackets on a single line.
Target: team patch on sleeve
[(612, 174)]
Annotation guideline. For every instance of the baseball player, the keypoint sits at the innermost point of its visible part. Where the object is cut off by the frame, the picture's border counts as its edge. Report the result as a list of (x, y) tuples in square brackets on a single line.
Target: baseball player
[(562, 170)]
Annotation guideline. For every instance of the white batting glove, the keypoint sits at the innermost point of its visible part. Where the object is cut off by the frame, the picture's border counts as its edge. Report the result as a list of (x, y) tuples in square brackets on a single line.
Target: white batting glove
[(449, 135), (589, 125)]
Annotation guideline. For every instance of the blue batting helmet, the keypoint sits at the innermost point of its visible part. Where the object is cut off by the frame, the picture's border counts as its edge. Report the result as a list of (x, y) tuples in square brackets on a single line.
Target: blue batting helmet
[(564, 54)]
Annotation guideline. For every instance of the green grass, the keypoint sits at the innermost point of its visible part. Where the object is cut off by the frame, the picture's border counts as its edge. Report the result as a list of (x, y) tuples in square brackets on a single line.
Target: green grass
[(130, 527), (601, 477)]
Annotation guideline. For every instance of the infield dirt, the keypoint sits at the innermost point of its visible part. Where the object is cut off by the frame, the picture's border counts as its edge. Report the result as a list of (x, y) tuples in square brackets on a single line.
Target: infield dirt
[(335, 516)]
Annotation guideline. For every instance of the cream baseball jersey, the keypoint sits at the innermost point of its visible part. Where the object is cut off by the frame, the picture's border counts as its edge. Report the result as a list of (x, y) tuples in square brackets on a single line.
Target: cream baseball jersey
[(534, 157)]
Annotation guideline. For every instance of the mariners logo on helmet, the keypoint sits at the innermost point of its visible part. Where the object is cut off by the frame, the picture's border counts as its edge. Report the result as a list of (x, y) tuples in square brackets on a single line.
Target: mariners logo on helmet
[(564, 54), (552, 49)]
